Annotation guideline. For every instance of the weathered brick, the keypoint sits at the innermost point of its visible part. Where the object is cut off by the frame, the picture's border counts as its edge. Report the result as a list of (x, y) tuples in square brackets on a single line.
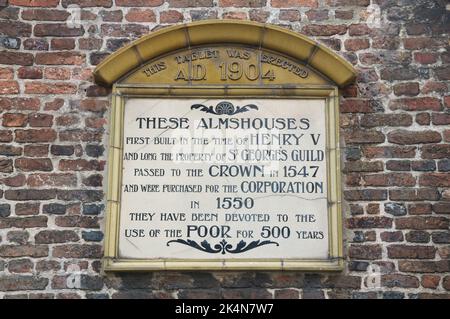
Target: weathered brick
[(23, 251), (30, 194), (15, 120), (77, 251), (404, 137), (365, 195), (407, 89), (416, 104), (57, 30), (394, 236), (20, 266), (29, 72), (430, 281), (435, 179), (148, 3), (391, 179), (33, 164), (56, 237), (441, 208), (417, 236), (435, 151), (365, 252), (20, 282), (422, 266), (77, 221), (369, 222), (148, 15), (420, 223), (56, 179)]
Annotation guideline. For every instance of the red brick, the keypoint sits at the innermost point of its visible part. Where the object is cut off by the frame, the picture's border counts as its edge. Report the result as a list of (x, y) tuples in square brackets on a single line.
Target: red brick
[(62, 44), (50, 88), (15, 28), (408, 89), (36, 150), (413, 194), (77, 221), (356, 44), (234, 15), (20, 266), (27, 208), (405, 137), (54, 105), (9, 87), (425, 57), (420, 223), (363, 166), (141, 15), (40, 120), (399, 280), (369, 222), (389, 151), (171, 16), (14, 181), (416, 104), (421, 266), (394, 236), (364, 137), (435, 179), (33, 164), (18, 58), (419, 209), (87, 3), (446, 283), (6, 73), (423, 118), (77, 251), (294, 3), (430, 281), (81, 165), (23, 250), (141, 3), (15, 120), (359, 29), (57, 58), (55, 180), (420, 43), (324, 30), (35, 135), (435, 151), (34, 3), (358, 106), (56, 237), (411, 252), (289, 15), (29, 72), (391, 179), (373, 120), (57, 30), (45, 14), (365, 252)]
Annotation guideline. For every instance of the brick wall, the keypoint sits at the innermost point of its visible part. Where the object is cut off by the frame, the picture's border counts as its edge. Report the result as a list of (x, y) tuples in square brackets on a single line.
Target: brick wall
[(394, 126)]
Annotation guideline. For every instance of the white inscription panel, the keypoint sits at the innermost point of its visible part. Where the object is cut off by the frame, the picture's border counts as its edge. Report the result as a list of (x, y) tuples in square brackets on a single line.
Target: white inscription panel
[(224, 179)]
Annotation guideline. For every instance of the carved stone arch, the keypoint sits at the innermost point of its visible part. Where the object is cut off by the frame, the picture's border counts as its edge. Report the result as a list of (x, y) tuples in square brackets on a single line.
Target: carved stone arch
[(298, 59)]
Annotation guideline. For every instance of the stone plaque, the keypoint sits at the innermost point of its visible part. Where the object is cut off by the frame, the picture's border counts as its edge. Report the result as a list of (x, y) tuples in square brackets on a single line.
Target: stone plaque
[(224, 151), (214, 178)]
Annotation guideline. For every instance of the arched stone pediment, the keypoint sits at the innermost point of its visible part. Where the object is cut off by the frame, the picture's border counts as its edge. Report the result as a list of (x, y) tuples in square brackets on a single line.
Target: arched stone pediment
[(191, 54)]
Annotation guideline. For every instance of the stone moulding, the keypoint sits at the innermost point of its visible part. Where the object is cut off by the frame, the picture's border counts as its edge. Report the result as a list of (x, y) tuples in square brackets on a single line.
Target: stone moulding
[(209, 32)]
